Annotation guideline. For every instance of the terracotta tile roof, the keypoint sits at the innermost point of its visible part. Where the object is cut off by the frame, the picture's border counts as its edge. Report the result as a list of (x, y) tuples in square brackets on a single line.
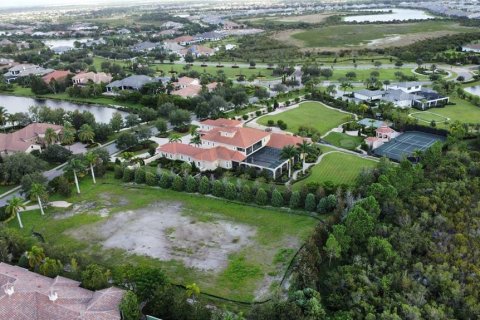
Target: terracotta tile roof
[(22, 139), (200, 154), (100, 77), (185, 81), (30, 299), (240, 137), (212, 86), (372, 139), (57, 75), (385, 129), (183, 39), (188, 92), (222, 122), (279, 140)]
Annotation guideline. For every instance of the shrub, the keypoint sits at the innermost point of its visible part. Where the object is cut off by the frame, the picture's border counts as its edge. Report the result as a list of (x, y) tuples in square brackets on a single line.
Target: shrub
[(64, 187), (4, 215), (310, 202), (118, 172), (327, 204), (258, 113), (277, 198), (246, 195), (177, 183), (261, 197), (230, 191), (128, 175), (150, 179), (245, 117), (140, 176), (217, 189), (165, 180), (191, 185), (95, 277), (204, 187), (270, 123), (55, 153), (295, 200)]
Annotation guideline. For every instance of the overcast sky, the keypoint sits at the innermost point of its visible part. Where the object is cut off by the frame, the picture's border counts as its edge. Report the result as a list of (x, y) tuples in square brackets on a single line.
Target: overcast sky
[(31, 3)]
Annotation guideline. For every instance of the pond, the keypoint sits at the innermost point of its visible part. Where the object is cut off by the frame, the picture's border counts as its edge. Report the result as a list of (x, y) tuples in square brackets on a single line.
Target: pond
[(473, 90), (21, 104), (64, 42), (395, 14)]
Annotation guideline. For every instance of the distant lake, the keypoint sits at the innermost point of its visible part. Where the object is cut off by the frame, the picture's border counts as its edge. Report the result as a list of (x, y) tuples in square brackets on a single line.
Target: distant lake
[(15, 104), (64, 42), (473, 90), (396, 14)]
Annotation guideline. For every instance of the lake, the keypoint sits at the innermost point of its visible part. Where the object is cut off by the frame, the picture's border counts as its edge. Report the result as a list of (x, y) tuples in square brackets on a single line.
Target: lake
[(396, 14), (15, 104), (473, 90), (64, 42)]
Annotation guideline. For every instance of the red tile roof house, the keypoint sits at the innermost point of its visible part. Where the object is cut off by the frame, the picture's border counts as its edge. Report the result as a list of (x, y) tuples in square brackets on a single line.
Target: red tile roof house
[(85, 77), (57, 75), (382, 135), (25, 295), (225, 144), (190, 87), (26, 139)]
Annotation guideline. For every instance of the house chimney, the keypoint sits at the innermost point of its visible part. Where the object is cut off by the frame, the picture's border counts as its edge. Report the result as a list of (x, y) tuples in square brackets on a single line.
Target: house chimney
[(53, 296)]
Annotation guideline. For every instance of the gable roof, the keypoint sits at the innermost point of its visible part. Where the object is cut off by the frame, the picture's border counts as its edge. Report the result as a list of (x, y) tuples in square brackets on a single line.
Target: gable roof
[(21, 140), (280, 140), (238, 137), (188, 92), (57, 75), (136, 81), (201, 154), (99, 77), (222, 122)]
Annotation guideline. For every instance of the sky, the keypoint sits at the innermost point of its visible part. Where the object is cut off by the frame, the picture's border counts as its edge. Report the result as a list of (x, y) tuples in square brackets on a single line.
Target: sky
[(31, 3)]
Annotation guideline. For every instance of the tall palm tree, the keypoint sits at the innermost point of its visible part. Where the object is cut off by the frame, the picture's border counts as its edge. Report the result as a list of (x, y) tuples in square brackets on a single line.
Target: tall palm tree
[(68, 133), (37, 192), (13, 207), (75, 165), (289, 152), (3, 116), (35, 256), (92, 159), (50, 136), (86, 133), (304, 149), (346, 85)]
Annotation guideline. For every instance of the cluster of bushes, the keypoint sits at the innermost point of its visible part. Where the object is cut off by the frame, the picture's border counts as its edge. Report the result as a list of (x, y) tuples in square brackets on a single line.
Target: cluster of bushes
[(280, 123), (224, 189), (310, 132)]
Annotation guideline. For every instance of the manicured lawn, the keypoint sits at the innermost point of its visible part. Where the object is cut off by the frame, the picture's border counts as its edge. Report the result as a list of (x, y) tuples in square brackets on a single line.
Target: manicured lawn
[(310, 114), (384, 73), (343, 140), (428, 116), (463, 111), (354, 35), (337, 167), (245, 270)]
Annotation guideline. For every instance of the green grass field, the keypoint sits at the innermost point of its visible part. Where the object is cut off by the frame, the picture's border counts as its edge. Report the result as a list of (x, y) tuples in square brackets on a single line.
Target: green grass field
[(353, 35), (428, 116), (384, 73), (463, 111), (343, 140), (250, 268), (337, 167), (311, 114)]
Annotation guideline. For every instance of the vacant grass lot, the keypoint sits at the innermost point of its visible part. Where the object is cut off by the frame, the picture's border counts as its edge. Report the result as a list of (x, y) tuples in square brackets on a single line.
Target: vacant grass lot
[(248, 271), (462, 111), (337, 167), (343, 140), (384, 73), (353, 35), (310, 114)]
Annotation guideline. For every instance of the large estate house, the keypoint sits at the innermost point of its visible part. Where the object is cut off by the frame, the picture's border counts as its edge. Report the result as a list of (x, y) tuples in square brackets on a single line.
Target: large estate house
[(24, 70), (86, 77), (28, 295), (26, 139), (135, 83), (226, 144), (403, 95)]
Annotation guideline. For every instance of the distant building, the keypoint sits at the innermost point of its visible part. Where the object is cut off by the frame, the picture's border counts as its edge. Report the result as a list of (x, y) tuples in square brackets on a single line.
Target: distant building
[(135, 83), (123, 31), (57, 75), (86, 77), (5, 43), (198, 51), (184, 40), (172, 46), (382, 134), (144, 46), (230, 25), (190, 87), (28, 295), (24, 70), (471, 48), (61, 49), (26, 139)]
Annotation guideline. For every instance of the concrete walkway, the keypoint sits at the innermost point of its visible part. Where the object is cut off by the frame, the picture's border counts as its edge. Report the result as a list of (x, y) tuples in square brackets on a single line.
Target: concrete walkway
[(55, 204)]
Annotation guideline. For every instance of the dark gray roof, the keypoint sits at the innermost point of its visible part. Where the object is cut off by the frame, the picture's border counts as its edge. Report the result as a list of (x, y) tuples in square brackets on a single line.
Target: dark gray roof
[(370, 93), (398, 95), (136, 81)]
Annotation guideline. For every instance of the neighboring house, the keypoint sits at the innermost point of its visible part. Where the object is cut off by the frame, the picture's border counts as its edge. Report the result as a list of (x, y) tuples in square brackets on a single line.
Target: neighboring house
[(28, 295), (172, 46), (184, 40), (61, 49), (5, 43), (26, 139), (144, 46), (198, 51), (86, 77), (471, 48), (382, 134), (429, 99), (407, 87), (210, 36), (190, 87), (124, 31), (368, 95), (172, 25), (6, 62), (230, 25), (166, 33), (57, 75), (184, 82), (226, 144), (23, 70), (135, 82)]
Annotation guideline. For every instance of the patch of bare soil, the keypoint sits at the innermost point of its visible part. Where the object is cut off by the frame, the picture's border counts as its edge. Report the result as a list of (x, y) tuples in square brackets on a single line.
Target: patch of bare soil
[(308, 18), (161, 231)]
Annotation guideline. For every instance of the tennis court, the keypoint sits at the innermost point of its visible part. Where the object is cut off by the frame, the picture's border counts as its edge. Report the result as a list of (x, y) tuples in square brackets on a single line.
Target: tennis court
[(405, 145)]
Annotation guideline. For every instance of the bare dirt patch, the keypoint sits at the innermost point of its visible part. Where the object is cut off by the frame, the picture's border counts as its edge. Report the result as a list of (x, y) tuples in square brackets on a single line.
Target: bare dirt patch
[(161, 231), (100, 207), (308, 18)]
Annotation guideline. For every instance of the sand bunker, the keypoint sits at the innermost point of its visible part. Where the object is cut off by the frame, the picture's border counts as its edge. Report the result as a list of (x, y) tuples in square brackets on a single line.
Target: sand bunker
[(161, 231)]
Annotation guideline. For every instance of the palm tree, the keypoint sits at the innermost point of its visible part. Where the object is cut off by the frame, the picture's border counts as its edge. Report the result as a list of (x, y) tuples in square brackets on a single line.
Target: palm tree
[(331, 90), (37, 191), (68, 134), (75, 165), (175, 138), (13, 207), (3, 116), (50, 136), (92, 159), (289, 152), (346, 85), (127, 156), (35, 256), (193, 290), (196, 140), (304, 149), (86, 133), (417, 154)]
